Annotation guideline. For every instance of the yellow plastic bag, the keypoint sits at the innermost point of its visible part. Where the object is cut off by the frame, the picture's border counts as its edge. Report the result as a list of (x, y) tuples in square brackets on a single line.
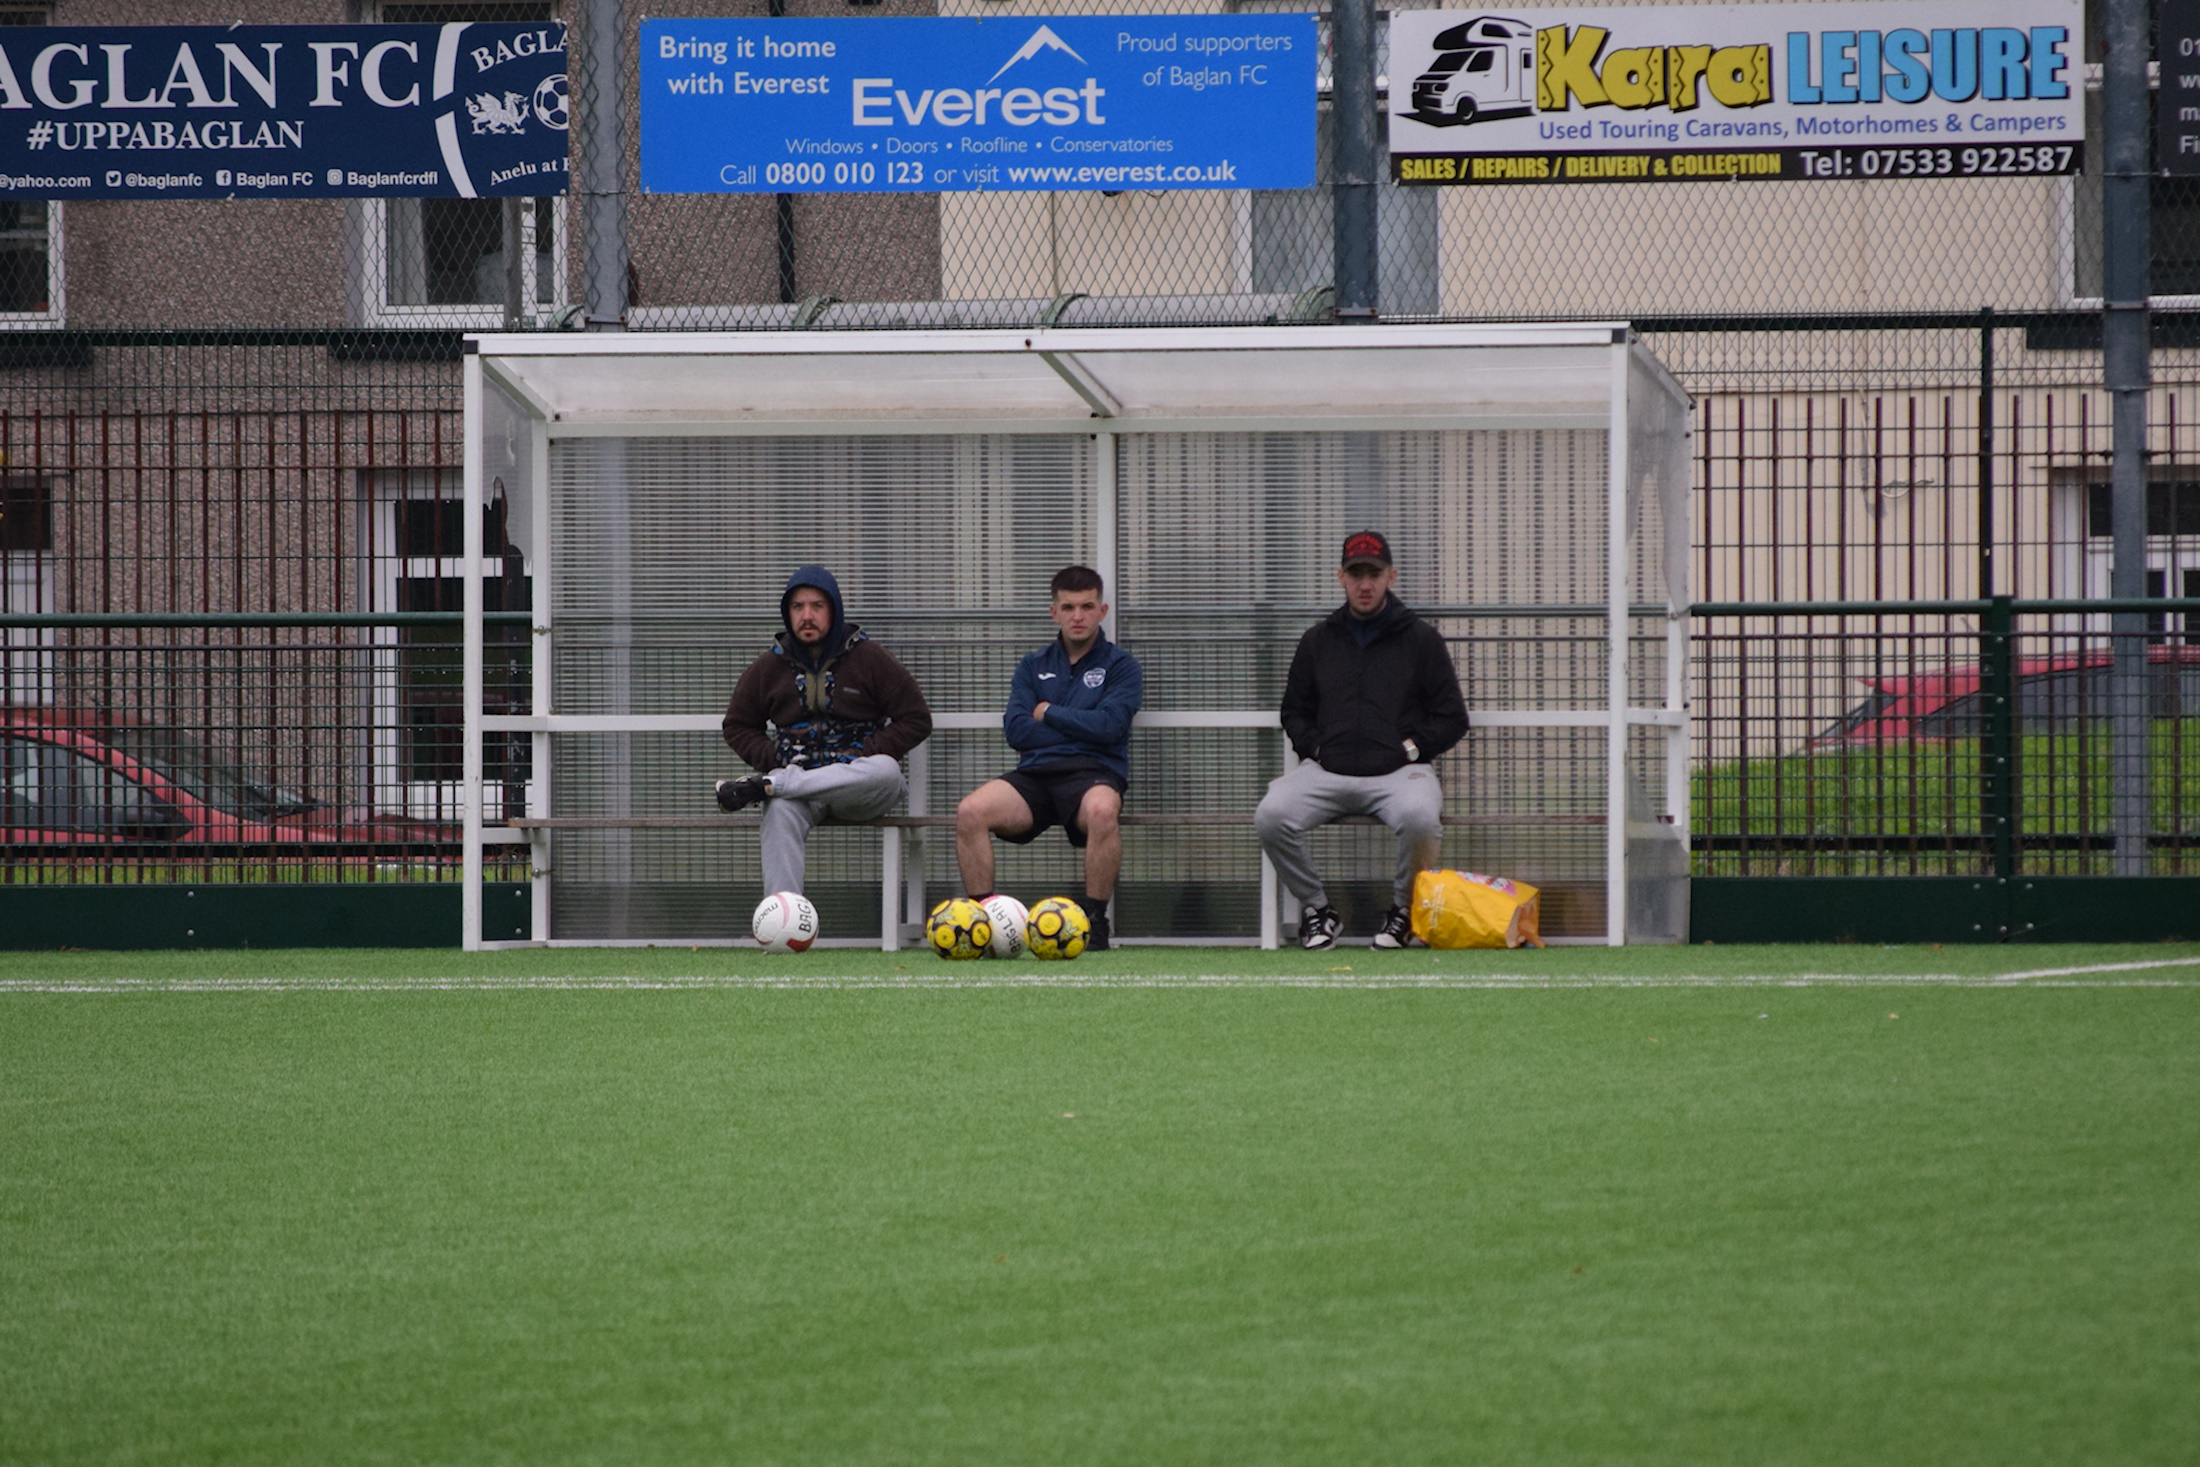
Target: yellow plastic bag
[(1462, 909)]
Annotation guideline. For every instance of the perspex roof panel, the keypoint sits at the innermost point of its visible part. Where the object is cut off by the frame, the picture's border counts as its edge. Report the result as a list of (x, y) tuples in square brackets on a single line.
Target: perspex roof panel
[(657, 382)]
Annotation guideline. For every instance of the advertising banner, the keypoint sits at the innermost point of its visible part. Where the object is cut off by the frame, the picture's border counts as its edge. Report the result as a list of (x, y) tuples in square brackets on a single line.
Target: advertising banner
[(283, 112), (1852, 89), (997, 103), (2177, 99)]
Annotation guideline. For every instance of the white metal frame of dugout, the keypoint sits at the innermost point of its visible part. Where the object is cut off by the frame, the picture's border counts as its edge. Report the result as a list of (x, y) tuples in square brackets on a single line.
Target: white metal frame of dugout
[(547, 386)]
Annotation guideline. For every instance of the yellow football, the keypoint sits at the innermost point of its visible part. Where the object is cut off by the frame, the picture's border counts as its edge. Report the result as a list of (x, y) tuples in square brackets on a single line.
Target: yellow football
[(1057, 929), (958, 929)]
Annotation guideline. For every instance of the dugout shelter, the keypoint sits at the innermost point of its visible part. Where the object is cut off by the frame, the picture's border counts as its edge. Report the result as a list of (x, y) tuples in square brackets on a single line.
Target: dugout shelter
[(660, 487)]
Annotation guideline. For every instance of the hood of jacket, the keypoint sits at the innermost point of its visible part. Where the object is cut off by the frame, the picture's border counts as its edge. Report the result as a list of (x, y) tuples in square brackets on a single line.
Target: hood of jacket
[(836, 637)]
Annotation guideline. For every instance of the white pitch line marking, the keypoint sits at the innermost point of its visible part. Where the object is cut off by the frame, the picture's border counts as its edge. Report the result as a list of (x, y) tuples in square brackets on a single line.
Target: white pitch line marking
[(2187, 962), (2077, 977)]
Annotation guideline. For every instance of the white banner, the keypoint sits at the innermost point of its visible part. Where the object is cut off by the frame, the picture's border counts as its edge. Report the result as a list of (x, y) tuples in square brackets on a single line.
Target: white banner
[(1680, 93)]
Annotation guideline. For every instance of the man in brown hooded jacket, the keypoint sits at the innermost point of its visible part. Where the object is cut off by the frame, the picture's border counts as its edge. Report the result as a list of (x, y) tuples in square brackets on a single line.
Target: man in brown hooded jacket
[(824, 718)]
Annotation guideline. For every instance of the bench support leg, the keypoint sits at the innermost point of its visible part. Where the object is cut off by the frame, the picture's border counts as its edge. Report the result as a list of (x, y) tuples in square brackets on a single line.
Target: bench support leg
[(916, 911), (1271, 908), (1276, 916), (889, 884), (541, 863), (920, 848)]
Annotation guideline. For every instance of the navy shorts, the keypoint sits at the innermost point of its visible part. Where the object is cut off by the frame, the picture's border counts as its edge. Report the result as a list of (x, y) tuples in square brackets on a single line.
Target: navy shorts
[(1055, 791)]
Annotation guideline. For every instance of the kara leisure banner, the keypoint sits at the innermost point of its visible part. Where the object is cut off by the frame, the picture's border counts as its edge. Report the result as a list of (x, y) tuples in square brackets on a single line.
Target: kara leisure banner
[(1685, 93), (276, 112)]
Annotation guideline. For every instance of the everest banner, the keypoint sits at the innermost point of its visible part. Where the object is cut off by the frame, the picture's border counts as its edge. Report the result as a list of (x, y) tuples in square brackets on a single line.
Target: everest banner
[(283, 112), (1851, 89), (949, 105)]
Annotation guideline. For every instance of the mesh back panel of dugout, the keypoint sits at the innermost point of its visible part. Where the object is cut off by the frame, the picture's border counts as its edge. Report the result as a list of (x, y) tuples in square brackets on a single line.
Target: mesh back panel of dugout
[(1230, 545), (1226, 553), (942, 545)]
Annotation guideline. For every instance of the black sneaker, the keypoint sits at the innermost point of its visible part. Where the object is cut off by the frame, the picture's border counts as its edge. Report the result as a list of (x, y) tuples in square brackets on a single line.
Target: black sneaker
[(1396, 931), (1096, 920), (739, 794), (1318, 928)]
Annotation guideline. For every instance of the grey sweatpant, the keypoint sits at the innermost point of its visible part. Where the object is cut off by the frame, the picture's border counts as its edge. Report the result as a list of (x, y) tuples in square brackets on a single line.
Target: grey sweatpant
[(1408, 800), (801, 797)]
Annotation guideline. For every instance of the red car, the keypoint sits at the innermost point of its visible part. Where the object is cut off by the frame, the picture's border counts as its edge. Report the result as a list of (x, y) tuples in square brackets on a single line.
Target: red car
[(2052, 693), (75, 779)]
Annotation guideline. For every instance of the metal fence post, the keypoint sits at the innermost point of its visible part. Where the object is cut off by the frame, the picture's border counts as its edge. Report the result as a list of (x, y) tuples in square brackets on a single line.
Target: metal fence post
[(1352, 123), (1986, 451), (518, 264), (1998, 750), (2126, 248), (603, 202), (783, 209)]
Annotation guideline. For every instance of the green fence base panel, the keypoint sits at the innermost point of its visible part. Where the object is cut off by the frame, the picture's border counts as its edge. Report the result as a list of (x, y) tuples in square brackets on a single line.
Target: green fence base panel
[(1944, 909), (215, 916), (1723, 909)]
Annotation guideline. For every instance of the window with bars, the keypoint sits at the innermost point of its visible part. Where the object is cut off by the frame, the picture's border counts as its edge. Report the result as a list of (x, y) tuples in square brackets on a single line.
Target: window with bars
[(444, 262), (26, 586), (419, 565), (2173, 204), (2173, 210), (30, 233), (2173, 550), (26, 514), (1291, 233)]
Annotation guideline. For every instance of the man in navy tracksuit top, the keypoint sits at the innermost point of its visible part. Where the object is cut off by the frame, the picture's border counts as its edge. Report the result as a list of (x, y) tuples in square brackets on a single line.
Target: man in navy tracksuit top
[(1069, 715)]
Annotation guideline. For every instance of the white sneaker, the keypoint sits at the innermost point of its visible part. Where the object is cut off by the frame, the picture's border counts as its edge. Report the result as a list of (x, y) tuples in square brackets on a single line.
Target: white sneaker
[(1396, 931), (1318, 928)]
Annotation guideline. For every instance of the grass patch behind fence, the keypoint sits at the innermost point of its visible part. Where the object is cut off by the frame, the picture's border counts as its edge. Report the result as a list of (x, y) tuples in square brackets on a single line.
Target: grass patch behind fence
[(1687, 1225), (1889, 794)]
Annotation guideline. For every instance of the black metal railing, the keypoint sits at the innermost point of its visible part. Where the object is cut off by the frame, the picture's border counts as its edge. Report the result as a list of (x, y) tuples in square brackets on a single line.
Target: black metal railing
[(244, 747), (1991, 737)]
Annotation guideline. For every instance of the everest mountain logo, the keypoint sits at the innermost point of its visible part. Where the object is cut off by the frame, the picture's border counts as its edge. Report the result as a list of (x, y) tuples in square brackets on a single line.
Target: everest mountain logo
[(1042, 39)]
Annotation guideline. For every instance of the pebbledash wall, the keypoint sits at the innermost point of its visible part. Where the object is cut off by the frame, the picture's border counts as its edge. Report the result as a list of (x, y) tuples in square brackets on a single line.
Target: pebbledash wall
[(253, 406)]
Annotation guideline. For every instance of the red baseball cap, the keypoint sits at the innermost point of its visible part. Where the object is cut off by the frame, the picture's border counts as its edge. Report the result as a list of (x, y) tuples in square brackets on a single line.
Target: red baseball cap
[(1366, 547)]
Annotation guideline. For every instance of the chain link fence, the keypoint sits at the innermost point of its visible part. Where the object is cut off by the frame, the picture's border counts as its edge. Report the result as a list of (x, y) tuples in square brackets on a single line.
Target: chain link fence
[(73, 276)]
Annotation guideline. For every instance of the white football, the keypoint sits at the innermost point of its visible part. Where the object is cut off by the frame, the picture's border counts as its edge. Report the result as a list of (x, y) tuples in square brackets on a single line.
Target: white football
[(785, 922), (1009, 917)]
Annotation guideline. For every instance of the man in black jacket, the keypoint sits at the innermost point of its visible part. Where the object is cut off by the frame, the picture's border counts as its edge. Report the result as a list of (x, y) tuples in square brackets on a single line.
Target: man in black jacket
[(1371, 702)]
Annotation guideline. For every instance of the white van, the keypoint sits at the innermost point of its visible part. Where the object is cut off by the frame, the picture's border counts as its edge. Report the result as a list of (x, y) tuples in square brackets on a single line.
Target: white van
[(1483, 69)]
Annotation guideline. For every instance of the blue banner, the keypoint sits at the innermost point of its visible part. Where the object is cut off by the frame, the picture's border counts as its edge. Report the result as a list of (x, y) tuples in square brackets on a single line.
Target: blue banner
[(283, 112), (1001, 103)]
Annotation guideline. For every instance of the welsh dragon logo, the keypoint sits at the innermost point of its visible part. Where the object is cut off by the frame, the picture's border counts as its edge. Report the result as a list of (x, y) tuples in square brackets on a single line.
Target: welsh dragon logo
[(494, 115)]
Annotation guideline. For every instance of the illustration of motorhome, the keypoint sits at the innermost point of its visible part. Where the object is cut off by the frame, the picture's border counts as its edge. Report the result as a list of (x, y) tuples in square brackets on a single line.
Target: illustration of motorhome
[(1483, 69)]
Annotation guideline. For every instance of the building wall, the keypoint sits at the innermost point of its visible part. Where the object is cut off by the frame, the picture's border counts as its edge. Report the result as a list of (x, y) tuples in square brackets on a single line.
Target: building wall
[(1709, 248)]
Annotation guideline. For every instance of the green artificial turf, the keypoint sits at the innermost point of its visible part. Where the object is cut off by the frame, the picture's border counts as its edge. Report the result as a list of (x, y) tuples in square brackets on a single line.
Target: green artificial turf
[(1936, 1219), (1355, 966)]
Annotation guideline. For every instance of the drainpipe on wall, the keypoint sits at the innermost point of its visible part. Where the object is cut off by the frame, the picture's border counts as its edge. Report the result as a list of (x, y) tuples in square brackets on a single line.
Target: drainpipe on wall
[(603, 204), (783, 208), (1356, 157)]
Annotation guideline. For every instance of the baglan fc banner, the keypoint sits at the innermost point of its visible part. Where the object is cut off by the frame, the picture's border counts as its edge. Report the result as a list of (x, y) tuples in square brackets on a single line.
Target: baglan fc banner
[(283, 112), (1681, 93)]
